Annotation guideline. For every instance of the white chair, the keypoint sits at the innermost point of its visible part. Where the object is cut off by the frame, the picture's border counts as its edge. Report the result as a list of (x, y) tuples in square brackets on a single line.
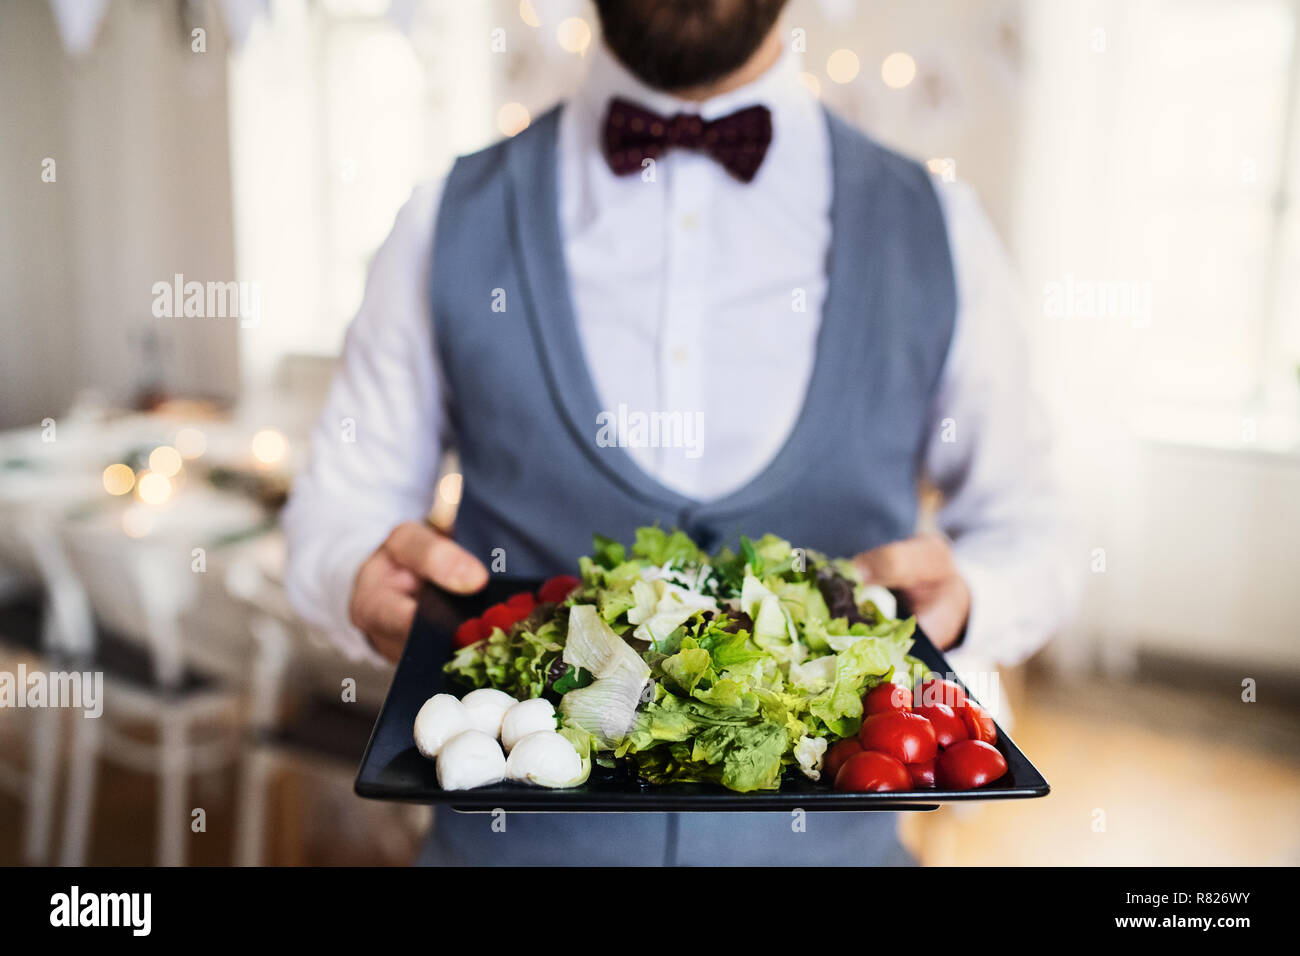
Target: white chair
[(35, 781), (138, 590), (46, 622), (310, 730)]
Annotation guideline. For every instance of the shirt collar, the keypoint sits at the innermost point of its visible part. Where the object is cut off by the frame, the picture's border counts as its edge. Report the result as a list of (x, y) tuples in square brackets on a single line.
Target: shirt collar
[(778, 88)]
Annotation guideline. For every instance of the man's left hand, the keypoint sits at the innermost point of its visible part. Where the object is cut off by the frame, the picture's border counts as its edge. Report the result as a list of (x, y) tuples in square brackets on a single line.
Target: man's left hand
[(922, 569)]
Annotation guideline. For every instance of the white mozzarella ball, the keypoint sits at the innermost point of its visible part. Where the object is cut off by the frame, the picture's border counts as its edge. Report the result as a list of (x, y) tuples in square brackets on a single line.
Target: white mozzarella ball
[(487, 707), (470, 759), (545, 758), (441, 718), (526, 717)]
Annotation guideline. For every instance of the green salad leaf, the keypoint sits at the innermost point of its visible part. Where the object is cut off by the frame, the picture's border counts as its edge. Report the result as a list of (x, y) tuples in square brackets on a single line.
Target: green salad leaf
[(684, 667), (660, 547)]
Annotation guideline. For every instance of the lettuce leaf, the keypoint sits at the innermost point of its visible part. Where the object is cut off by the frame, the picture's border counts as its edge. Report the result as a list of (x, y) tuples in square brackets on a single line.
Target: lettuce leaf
[(606, 708), (607, 552), (659, 547), (517, 663), (731, 745), (863, 663), (745, 677), (662, 607), (687, 667), (729, 649)]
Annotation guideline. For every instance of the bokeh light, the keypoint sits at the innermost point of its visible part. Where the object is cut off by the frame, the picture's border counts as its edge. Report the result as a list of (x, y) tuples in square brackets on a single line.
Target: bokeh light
[(574, 34), (898, 70), (152, 488), (191, 442), (842, 66), (513, 118), (813, 84), (165, 460), (118, 479), (528, 14), (449, 488), (269, 446), (136, 522), (943, 166)]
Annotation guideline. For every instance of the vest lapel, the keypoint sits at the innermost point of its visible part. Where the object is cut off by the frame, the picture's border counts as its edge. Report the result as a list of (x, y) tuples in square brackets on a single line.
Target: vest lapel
[(843, 357), (538, 245)]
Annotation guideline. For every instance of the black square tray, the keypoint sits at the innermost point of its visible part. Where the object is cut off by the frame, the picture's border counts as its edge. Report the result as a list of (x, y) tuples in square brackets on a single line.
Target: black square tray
[(392, 769)]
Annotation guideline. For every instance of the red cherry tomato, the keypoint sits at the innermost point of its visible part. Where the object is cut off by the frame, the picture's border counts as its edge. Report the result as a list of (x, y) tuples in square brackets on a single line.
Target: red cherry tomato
[(886, 697), (906, 737), (501, 615), (968, 764), (470, 632), (937, 691), (838, 754), (523, 601), (558, 588), (872, 772), (948, 727), (979, 723), (922, 774)]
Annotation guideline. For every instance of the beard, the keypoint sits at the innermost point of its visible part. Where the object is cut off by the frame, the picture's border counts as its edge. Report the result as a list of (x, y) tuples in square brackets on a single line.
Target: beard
[(679, 44)]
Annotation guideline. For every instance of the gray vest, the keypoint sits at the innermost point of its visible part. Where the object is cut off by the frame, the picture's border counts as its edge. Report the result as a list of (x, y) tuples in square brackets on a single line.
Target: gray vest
[(538, 484)]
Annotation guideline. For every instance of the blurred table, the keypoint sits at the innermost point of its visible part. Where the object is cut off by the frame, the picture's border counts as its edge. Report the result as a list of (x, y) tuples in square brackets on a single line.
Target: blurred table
[(121, 515)]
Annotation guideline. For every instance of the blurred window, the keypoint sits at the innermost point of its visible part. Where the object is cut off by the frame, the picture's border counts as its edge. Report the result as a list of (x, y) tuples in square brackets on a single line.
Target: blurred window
[(1186, 162), (1207, 122), (336, 112)]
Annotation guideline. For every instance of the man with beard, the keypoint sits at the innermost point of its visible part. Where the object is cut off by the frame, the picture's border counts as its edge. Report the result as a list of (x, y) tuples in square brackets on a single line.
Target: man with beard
[(690, 233)]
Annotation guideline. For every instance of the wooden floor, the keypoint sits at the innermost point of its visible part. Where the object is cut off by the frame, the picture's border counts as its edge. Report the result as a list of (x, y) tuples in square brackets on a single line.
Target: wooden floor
[(1139, 775)]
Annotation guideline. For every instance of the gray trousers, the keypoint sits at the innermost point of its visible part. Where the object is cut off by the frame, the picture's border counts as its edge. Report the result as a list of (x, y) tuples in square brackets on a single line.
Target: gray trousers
[(664, 839)]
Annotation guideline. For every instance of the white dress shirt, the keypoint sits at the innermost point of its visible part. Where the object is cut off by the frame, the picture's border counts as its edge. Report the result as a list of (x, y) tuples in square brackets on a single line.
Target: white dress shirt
[(684, 286)]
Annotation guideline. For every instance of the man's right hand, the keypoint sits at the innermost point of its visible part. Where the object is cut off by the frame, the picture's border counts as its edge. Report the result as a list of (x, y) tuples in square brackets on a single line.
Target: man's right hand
[(384, 593)]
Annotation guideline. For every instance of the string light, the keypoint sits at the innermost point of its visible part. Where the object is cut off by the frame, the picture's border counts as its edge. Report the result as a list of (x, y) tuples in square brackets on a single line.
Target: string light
[(574, 35), (513, 118), (165, 460), (118, 479), (152, 488), (842, 66), (269, 446), (898, 70), (191, 442)]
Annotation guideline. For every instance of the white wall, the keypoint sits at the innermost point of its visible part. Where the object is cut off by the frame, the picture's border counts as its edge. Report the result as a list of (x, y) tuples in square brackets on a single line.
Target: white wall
[(334, 118), (1217, 564), (1196, 518), (137, 129)]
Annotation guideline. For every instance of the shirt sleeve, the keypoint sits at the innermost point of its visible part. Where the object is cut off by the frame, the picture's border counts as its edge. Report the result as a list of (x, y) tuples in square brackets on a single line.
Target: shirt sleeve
[(990, 455), (376, 448)]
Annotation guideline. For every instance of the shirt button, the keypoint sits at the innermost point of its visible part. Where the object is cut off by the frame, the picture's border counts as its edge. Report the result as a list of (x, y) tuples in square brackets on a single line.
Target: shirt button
[(688, 222), (679, 354)]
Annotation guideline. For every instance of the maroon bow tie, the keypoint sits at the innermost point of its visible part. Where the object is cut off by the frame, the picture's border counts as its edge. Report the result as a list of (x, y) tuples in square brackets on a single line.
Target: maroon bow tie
[(738, 140)]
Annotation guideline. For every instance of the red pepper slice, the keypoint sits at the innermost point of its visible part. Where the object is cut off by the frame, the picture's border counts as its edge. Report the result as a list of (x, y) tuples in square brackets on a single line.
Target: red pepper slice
[(558, 588), (470, 632)]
